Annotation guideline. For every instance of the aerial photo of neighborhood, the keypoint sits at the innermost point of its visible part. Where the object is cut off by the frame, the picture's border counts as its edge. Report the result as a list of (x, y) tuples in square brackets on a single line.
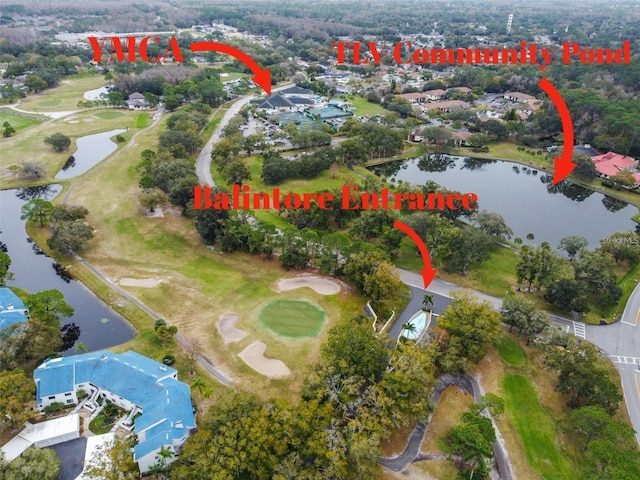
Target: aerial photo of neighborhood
[(319, 240)]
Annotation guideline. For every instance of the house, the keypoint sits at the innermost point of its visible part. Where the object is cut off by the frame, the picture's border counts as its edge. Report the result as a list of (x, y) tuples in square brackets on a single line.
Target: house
[(158, 404), (136, 101), (463, 90), (12, 310), (297, 91), (460, 138), (518, 97), (611, 163), (415, 97), (437, 94), (447, 106)]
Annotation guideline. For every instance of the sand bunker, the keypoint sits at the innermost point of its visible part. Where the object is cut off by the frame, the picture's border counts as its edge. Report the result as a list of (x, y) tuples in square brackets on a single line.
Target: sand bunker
[(253, 355), (322, 285), (139, 282), (227, 328)]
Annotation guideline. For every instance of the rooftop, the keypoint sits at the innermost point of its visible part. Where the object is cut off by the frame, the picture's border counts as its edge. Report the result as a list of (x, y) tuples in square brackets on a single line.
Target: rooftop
[(12, 310)]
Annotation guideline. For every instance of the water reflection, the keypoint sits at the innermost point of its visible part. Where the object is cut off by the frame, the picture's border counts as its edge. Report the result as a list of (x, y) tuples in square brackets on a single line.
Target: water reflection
[(70, 163), (35, 271), (523, 195), (44, 191), (613, 204)]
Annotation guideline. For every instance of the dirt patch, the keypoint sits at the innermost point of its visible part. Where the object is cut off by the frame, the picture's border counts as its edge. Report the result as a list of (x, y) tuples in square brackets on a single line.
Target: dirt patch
[(253, 355), (227, 328), (139, 282), (321, 285), (157, 212), (73, 121), (89, 119)]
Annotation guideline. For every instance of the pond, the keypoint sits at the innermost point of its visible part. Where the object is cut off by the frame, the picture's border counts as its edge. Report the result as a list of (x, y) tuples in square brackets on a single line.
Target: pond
[(101, 327), (522, 195), (91, 149)]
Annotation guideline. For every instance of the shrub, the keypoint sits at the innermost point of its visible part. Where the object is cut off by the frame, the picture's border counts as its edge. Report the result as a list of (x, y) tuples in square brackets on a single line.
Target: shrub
[(168, 359), (54, 407)]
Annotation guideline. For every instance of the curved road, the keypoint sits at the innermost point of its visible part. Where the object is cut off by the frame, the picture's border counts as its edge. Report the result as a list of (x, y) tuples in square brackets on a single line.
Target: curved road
[(467, 384), (620, 341)]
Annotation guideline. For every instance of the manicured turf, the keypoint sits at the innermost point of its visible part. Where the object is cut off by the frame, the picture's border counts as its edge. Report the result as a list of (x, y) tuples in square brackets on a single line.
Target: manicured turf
[(293, 318), (536, 429), (17, 121), (362, 107), (143, 120), (511, 351), (109, 114)]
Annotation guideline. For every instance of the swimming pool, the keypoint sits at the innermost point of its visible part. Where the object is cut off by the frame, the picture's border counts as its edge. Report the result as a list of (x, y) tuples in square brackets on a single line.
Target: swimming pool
[(419, 320)]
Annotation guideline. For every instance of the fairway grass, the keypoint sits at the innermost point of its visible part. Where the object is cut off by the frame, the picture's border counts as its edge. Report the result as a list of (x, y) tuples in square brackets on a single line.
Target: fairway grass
[(536, 429), (511, 351), (198, 284), (19, 121), (65, 97), (293, 318)]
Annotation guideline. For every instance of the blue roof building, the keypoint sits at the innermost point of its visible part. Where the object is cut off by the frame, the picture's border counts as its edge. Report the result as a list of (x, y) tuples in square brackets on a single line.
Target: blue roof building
[(132, 381), (12, 310)]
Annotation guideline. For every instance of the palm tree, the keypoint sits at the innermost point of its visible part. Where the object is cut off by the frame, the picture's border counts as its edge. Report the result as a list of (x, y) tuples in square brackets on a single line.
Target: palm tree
[(409, 327), (165, 453), (427, 300)]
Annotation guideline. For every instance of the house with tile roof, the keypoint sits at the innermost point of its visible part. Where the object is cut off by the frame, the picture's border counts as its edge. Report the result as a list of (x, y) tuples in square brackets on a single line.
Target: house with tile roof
[(133, 382), (12, 310), (610, 163)]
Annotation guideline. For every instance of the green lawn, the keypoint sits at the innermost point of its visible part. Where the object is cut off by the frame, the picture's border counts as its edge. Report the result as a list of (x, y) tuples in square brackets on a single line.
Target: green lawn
[(536, 429), (362, 107), (511, 351), (19, 121), (293, 318), (110, 114), (143, 120), (64, 97)]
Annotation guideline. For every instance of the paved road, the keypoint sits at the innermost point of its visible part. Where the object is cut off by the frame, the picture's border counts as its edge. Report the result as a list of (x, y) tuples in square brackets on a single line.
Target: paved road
[(203, 164), (620, 340), (467, 384)]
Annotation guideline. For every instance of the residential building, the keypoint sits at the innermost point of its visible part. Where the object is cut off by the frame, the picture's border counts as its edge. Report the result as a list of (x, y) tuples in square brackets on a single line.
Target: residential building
[(12, 310), (136, 101), (133, 382), (437, 94), (518, 97), (610, 163), (447, 106), (414, 97)]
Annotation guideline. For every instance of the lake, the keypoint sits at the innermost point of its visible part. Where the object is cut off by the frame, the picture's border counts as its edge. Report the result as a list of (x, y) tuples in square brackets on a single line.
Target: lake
[(523, 196), (91, 149), (101, 327)]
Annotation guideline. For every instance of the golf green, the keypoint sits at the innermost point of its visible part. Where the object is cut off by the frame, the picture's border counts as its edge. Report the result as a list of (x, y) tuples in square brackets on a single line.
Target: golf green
[(293, 318)]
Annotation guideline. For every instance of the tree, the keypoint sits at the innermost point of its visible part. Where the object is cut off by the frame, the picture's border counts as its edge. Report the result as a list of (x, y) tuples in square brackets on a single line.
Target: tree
[(595, 269), (210, 224), (624, 178), (16, 396), (59, 142), (623, 246), (115, 98), (572, 244), (35, 83), (70, 334), (68, 213), (113, 461), (588, 423), (470, 325), (477, 140), (567, 295), (70, 237), (48, 306), (40, 463), (493, 224), (585, 168), (32, 170), (37, 209), (464, 247), (471, 444), (236, 171), (582, 378), (427, 301), (384, 283), (8, 130), (5, 263), (152, 198)]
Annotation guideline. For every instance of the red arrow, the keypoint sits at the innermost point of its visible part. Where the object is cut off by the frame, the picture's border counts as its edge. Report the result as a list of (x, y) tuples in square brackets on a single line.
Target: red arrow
[(563, 166), (260, 76), (428, 272)]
